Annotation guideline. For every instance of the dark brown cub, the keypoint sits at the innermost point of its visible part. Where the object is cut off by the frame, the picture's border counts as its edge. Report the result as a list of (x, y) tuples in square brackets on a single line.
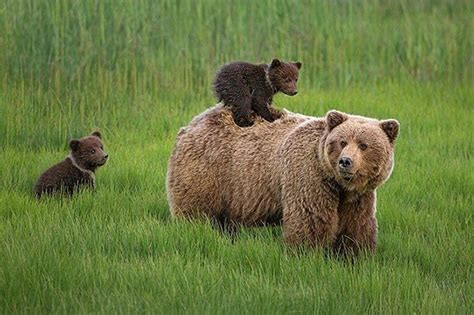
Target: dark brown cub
[(244, 87), (77, 170)]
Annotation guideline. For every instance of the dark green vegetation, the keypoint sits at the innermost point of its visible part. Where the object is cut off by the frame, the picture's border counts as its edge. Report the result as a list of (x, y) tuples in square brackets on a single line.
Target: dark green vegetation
[(139, 70)]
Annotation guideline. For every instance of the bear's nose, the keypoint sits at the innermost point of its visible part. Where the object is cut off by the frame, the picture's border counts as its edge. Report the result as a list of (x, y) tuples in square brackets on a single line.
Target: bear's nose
[(345, 163), (296, 92), (106, 156)]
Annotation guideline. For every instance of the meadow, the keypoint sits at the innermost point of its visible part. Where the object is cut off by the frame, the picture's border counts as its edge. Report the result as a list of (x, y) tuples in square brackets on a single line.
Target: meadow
[(140, 70)]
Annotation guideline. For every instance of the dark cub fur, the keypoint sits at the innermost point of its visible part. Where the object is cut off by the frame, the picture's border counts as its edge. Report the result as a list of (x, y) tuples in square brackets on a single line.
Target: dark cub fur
[(77, 170), (244, 87)]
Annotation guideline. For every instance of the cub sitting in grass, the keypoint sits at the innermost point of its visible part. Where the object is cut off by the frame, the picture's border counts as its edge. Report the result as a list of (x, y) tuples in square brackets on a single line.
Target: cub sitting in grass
[(77, 170), (244, 87)]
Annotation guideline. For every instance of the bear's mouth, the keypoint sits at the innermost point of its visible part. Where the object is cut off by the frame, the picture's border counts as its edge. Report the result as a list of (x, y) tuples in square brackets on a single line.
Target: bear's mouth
[(100, 163), (346, 175)]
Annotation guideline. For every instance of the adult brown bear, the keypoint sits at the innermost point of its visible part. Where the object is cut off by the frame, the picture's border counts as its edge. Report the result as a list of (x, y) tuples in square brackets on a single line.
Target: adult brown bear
[(318, 175)]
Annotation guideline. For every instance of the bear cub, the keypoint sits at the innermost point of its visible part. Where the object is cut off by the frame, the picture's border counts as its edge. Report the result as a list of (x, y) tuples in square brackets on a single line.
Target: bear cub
[(244, 87), (77, 170)]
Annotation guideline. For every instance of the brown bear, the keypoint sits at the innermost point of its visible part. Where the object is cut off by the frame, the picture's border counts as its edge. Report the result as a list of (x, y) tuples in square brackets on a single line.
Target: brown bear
[(316, 176), (244, 87), (77, 170)]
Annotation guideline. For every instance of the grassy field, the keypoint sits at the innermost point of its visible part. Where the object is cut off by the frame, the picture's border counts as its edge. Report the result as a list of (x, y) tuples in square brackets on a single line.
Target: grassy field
[(140, 70)]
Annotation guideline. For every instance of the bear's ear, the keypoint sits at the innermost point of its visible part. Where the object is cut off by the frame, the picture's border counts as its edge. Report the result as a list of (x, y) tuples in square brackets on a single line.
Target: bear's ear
[(97, 134), (334, 118), (298, 64), (275, 63), (391, 127), (74, 144)]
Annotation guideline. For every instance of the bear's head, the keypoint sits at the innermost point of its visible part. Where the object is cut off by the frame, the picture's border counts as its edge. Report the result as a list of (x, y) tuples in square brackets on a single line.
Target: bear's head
[(88, 152), (284, 76), (358, 152)]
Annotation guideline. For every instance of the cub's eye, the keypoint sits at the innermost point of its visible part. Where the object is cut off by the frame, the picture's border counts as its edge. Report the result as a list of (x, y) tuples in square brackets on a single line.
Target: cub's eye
[(101, 147), (363, 146), (296, 80), (288, 80), (92, 151), (343, 143)]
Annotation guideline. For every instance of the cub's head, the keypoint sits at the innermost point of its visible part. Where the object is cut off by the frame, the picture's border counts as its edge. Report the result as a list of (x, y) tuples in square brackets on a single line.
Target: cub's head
[(357, 151), (284, 76), (88, 152)]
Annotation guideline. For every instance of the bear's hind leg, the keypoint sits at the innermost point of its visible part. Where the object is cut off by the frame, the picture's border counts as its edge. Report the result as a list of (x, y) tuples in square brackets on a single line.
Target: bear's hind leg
[(223, 224)]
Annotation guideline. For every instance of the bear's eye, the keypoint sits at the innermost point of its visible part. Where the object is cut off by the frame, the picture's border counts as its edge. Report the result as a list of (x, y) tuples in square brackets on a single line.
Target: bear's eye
[(343, 143), (102, 147), (363, 146), (92, 151), (296, 80)]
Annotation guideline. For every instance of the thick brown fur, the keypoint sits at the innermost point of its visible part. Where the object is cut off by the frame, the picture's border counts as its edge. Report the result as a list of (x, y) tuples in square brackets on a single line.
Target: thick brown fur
[(246, 87), (290, 171), (77, 170)]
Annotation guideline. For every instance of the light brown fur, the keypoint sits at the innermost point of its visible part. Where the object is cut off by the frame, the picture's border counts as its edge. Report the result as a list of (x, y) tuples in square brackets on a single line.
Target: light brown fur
[(286, 170)]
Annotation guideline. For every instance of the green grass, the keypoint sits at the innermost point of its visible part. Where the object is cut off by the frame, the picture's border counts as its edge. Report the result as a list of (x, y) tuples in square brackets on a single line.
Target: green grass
[(139, 70)]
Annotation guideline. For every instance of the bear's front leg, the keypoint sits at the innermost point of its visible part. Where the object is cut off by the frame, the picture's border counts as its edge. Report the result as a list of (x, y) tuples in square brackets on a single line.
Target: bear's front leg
[(241, 111), (358, 226), (312, 222), (260, 106), (276, 113)]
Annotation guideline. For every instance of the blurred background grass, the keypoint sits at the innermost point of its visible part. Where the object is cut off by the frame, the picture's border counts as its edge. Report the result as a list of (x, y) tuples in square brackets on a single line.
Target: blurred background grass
[(156, 44), (69, 60)]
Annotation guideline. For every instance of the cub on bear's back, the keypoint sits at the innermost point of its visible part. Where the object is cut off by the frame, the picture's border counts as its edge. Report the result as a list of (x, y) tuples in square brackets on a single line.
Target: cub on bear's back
[(249, 88), (77, 170), (317, 175)]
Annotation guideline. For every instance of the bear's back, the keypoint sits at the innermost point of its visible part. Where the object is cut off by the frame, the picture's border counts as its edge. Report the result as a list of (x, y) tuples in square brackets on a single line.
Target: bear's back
[(62, 177), (213, 156)]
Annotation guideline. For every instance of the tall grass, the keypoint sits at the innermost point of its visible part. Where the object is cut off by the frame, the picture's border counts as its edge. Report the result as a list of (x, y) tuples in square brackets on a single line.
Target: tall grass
[(139, 70), (156, 44)]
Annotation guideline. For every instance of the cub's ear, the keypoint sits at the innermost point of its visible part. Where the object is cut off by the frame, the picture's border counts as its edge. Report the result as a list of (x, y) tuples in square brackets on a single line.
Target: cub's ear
[(97, 134), (334, 118), (74, 144), (298, 64), (391, 127), (275, 63)]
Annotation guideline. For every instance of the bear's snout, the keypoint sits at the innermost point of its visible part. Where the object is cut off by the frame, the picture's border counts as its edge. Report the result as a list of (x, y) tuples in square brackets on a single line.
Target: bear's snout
[(345, 163), (103, 160)]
